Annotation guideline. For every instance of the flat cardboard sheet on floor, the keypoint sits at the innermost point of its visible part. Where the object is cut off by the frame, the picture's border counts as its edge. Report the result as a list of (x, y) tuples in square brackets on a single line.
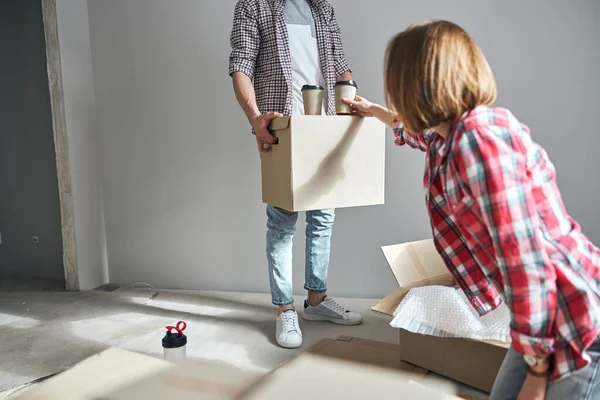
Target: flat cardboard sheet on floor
[(472, 362), (97, 376), (191, 379), (345, 368), (324, 162), (315, 376), (116, 374)]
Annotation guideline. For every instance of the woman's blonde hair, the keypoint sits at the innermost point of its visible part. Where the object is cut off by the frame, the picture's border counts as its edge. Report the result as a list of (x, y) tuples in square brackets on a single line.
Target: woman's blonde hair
[(434, 73)]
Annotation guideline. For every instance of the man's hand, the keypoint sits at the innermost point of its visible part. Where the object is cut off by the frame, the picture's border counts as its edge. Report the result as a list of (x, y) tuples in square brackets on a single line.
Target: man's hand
[(264, 138), (534, 388), (244, 92)]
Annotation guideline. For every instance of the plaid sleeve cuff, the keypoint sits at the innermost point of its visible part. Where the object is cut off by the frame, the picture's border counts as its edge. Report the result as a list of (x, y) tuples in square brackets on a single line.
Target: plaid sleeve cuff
[(342, 66), (241, 65), (397, 129), (532, 346)]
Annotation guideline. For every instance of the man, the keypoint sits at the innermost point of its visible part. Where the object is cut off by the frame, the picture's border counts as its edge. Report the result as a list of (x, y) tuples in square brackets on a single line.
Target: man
[(277, 47)]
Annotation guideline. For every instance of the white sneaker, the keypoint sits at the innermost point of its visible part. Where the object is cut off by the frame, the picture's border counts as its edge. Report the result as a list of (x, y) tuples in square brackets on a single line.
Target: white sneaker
[(329, 310), (288, 332)]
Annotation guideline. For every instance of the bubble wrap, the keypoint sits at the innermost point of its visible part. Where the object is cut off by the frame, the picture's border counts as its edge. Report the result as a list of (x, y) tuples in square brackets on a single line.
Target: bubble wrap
[(445, 312)]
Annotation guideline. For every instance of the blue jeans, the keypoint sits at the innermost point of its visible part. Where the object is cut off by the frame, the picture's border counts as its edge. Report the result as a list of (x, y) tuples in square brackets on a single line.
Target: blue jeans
[(581, 385), (281, 227)]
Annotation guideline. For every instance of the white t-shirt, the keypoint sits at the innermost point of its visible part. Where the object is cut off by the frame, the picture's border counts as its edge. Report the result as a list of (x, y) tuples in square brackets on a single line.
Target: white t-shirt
[(306, 64)]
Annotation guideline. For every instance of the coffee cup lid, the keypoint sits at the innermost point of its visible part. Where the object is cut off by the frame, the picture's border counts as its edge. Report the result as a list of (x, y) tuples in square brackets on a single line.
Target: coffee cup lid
[(347, 83), (312, 87)]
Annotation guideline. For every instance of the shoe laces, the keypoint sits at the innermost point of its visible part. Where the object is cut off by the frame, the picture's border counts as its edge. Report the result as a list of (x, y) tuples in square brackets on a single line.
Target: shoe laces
[(333, 305), (290, 322)]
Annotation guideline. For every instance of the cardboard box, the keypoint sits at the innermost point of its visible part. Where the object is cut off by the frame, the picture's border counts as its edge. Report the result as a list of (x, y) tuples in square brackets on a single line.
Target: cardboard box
[(346, 368), (324, 162), (367, 352), (472, 362), (381, 355)]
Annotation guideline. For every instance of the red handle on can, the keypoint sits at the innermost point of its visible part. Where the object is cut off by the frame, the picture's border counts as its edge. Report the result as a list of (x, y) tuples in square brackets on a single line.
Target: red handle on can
[(180, 327)]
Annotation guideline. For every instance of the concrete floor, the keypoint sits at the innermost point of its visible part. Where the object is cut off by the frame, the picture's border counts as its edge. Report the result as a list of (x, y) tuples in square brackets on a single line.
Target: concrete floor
[(48, 332)]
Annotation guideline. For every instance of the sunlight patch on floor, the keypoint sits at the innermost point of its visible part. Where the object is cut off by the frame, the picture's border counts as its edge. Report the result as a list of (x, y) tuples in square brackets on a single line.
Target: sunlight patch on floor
[(192, 308), (18, 322), (118, 328)]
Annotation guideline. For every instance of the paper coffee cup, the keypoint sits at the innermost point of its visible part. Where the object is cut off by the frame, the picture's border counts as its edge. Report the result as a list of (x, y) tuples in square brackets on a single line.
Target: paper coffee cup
[(344, 90), (312, 96)]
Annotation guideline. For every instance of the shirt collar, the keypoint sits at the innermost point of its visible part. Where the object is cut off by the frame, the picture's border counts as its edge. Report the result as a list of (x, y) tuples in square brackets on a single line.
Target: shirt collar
[(445, 147), (317, 3)]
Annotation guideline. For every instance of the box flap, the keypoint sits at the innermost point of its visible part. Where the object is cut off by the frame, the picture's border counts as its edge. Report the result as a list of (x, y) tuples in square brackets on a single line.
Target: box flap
[(391, 302), (279, 124), (413, 264), (416, 264), (505, 345)]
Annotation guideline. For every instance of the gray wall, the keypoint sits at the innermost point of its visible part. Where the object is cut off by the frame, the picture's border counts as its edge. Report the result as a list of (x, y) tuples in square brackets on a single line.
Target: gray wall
[(29, 203), (181, 181)]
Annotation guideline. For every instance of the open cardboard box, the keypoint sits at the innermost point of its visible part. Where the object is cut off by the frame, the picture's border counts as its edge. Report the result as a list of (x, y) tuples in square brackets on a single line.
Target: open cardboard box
[(472, 362), (323, 162), (346, 368)]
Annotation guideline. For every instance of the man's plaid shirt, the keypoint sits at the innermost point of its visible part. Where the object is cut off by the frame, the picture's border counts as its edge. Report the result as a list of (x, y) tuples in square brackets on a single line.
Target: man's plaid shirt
[(259, 42), (500, 225)]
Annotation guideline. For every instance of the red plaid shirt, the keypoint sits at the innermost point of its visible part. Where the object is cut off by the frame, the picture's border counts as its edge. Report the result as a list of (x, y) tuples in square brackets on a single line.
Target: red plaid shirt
[(500, 225), (259, 43)]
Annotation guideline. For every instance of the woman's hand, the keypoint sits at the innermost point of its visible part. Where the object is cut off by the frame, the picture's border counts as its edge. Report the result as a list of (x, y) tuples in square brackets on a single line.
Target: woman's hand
[(534, 388), (360, 106), (365, 108)]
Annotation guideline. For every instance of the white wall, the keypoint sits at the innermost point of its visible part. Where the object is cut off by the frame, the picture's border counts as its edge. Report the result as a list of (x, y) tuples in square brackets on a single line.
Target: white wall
[(80, 110), (180, 170)]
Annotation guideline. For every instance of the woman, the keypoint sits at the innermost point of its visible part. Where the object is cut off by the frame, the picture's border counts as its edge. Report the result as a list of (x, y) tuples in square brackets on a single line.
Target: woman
[(496, 213)]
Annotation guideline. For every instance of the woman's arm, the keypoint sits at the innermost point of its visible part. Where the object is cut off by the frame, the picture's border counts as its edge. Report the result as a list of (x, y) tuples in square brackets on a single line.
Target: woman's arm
[(384, 115), (365, 108), (490, 165)]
